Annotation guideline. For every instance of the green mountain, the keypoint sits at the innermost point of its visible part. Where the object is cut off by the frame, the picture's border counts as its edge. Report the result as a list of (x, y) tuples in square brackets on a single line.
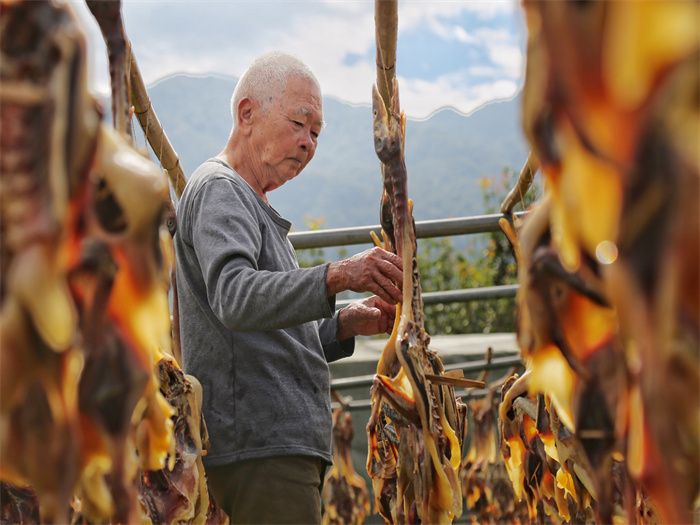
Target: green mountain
[(446, 155)]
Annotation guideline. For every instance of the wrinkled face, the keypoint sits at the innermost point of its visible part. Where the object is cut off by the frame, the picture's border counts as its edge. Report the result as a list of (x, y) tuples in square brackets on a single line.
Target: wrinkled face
[(287, 131)]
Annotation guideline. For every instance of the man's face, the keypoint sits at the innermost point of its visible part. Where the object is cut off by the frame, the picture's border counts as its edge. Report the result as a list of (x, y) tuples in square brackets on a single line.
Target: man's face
[(287, 133)]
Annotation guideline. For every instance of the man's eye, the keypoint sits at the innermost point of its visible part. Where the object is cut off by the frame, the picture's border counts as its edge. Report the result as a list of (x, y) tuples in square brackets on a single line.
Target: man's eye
[(314, 134), (298, 123)]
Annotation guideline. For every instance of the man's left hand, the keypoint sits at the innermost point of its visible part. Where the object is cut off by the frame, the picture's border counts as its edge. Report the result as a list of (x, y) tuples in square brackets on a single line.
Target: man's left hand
[(368, 316)]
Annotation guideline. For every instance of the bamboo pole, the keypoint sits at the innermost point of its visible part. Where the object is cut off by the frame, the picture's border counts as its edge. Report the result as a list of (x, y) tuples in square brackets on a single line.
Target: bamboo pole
[(153, 129), (527, 175), (386, 23)]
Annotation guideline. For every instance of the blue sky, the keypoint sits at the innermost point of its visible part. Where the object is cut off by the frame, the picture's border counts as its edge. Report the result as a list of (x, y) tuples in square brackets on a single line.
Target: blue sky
[(458, 54)]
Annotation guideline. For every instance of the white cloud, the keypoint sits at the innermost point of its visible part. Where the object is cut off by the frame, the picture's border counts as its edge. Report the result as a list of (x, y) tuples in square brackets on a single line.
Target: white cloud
[(420, 99), (509, 57), (223, 37)]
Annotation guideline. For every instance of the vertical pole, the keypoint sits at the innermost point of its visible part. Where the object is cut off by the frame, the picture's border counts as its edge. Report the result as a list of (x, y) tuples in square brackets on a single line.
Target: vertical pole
[(386, 22)]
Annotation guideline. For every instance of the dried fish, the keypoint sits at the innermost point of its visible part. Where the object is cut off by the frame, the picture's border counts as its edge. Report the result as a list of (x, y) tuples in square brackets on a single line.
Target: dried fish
[(418, 478), (345, 496)]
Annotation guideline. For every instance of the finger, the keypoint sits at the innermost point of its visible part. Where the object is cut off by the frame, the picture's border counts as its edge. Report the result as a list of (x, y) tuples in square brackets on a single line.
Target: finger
[(392, 271), (387, 290), (383, 294), (391, 258)]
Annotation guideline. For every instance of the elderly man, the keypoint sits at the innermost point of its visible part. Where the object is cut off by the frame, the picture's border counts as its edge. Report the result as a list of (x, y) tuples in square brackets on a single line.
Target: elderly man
[(257, 330)]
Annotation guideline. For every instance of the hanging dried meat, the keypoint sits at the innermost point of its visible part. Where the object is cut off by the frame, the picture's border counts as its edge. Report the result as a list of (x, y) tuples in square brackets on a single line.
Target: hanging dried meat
[(345, 496), (610, 107), (18, 504), (486, 486), (41, 166), (416, 429), (574, 434), (84, 282), (179, 492)]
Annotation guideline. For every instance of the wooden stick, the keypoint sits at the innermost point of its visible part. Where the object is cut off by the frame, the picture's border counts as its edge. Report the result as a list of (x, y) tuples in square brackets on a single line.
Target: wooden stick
[(454, 381), (488, 358), (386, 23), (525, 406), (154, 129), (527, 175)]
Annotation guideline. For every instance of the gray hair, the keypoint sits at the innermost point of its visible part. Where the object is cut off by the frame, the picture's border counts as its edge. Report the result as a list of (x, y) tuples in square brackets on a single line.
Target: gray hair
[(267, 77)]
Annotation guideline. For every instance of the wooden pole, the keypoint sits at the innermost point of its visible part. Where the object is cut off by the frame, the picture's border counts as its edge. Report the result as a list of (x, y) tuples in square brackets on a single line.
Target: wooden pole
[(527, 175), (386, 23), (153, 129)]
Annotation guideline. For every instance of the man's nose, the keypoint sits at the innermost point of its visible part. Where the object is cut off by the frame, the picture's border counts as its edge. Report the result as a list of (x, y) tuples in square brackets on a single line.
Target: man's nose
[(305, 141)]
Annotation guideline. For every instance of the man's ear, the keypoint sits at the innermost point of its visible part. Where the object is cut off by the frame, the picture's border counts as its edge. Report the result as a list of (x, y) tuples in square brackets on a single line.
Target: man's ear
[(244, 113)]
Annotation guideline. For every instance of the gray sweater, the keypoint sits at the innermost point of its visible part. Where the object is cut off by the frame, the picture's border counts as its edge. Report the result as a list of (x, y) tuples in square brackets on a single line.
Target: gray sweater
[(256, 330)]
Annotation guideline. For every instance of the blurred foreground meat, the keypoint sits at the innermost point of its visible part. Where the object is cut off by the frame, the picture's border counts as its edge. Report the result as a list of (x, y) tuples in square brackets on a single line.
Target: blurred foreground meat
[(416, 428), (84, 316), (344, 491), (610, 259)]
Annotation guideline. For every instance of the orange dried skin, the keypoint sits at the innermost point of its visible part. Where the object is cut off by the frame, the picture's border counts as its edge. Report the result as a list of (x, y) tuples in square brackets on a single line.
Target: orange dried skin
[(344, 492)]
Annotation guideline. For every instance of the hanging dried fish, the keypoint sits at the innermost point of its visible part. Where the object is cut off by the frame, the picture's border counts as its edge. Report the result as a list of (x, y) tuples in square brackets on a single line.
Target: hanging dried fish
[(345, 496), (48, 139), (486, 486), (179, 492), (416, 429), (568, 335)]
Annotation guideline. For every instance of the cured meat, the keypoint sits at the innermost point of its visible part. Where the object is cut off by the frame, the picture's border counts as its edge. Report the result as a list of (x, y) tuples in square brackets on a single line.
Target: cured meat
[(118, 277), (568, 334), (84, 310), (415, 429), (610, 107), (41, 165), (18, 504), (345, 496), (179, 492), (486, 486)]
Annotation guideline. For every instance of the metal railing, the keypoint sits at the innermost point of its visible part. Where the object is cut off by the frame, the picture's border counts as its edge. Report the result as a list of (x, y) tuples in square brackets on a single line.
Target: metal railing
[(466, 366), (424, 230), (459, 296), (513, 363)]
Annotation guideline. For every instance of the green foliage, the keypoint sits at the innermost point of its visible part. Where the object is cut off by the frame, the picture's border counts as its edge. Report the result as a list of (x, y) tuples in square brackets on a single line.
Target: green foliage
[(488, 262)]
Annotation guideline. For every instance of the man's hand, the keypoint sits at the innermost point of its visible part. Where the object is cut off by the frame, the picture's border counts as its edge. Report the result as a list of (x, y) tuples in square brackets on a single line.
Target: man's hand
[(375, 270), (368, 316)]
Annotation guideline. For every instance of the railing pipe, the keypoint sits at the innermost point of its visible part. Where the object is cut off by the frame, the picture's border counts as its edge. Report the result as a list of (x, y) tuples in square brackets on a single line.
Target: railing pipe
[(424, 229), (466, 366), (364, 404), (457, 296)]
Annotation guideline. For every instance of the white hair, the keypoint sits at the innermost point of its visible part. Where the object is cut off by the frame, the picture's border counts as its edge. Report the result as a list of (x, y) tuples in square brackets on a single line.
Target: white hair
[(266, 78)]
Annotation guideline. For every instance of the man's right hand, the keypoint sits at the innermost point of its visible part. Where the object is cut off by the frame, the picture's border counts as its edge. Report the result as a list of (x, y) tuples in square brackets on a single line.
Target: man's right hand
[(375, 270)]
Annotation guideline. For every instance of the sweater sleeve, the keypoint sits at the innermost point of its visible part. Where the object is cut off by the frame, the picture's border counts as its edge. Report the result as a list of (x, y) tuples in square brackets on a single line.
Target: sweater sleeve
[(328, 331), (227, 235)]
